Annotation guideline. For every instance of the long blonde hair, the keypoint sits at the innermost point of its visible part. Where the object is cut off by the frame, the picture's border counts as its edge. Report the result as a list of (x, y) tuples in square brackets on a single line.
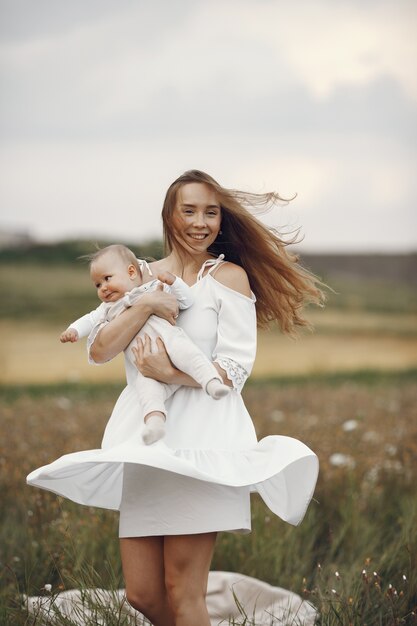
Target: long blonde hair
[(282, 287)]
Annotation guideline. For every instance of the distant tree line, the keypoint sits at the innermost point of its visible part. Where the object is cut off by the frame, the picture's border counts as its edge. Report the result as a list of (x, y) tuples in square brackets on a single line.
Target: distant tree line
[(67, 252), (397, 268)]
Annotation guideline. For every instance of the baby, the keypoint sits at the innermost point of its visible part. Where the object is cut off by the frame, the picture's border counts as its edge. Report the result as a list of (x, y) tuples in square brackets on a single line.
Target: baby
[(117, 275)]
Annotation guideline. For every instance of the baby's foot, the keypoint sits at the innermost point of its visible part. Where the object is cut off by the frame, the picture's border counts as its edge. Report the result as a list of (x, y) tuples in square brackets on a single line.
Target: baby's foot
[(154, 429), (216, 389)]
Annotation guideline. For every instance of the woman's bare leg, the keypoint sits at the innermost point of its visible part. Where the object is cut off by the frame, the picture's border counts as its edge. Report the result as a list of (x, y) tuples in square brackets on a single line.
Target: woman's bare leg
[(187, 561), (144, 573)]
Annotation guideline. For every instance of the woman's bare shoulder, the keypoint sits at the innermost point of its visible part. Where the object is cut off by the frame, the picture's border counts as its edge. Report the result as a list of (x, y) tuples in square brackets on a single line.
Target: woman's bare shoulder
[(158, 266), (234, 277)]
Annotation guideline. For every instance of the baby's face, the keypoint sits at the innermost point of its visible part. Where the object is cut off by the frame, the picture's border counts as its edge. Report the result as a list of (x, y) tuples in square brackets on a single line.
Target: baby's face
[(111, 277)]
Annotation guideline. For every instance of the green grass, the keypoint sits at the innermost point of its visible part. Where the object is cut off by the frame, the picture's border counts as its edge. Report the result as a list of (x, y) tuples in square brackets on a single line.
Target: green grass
[(366, 294), (367, 377), (46, 293), (363, 516), (93, 392), (77, 391)]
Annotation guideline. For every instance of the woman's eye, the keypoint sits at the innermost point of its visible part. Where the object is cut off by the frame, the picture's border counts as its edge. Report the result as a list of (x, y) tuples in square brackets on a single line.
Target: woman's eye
[(107, 278)]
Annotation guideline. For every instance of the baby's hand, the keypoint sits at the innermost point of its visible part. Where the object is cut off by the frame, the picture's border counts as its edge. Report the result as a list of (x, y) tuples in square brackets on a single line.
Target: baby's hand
[(167, 278), (69, 335)]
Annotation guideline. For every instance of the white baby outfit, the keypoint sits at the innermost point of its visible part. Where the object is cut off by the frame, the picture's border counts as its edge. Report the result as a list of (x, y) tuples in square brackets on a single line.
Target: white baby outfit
[(184, 354), (197, 479)]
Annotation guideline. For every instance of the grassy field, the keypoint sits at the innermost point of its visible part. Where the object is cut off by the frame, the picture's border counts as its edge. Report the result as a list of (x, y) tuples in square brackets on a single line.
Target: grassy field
[(366, 325), (31, 352), (363, 516), (349, 391)]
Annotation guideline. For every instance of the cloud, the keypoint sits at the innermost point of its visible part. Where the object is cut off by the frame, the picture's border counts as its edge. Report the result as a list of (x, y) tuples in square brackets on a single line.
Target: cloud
[(359, 199), (331, 45), (237, 63), (106, 102)]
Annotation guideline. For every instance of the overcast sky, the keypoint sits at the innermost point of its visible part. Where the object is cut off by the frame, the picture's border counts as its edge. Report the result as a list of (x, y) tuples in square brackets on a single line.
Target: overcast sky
[(105, 102)]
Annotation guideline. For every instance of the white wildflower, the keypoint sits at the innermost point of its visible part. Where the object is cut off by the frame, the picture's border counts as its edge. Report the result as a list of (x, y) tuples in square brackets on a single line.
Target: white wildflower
[(277, 416), (371, 437), (342, 460), (395, 466), (349, 425), (63, 403), (391, 449)]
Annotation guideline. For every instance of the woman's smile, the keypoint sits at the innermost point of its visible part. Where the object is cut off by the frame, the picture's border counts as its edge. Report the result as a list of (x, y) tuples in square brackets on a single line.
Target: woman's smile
[(198, 237)]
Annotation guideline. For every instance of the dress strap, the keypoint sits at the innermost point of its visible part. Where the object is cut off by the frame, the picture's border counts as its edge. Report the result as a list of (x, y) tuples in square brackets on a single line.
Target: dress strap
[(144, 264), (213, 264)]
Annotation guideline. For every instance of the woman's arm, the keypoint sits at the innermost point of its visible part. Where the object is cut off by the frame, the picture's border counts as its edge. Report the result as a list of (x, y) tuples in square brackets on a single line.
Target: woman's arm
[(117, 334), (157, 365), (235, 348)]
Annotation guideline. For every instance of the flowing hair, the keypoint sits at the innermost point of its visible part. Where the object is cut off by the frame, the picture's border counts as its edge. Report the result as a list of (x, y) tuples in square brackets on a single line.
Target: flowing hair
[(281, 285)]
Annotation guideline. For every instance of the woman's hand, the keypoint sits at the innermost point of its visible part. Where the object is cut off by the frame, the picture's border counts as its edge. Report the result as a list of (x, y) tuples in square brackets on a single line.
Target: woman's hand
[(118, 333), (162, 304), (153, 364), (167, 278)]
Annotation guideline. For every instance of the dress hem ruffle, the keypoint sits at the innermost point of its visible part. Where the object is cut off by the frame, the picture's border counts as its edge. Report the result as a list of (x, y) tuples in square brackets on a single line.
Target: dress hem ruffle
[(281, 469)]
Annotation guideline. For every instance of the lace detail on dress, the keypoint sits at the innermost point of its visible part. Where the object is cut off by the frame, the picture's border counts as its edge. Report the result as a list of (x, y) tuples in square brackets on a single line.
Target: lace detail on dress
[(235, 372)]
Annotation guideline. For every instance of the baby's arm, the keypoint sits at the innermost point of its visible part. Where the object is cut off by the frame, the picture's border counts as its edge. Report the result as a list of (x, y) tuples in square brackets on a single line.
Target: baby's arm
[(178, 288), (81, 327), (71, 334), (115, 336)]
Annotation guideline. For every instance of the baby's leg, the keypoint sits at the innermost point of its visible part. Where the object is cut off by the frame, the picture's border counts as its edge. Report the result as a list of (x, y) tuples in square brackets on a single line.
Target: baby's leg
[(188, 358), (153, 408), (154, 429), (216, 388), (152, 395)]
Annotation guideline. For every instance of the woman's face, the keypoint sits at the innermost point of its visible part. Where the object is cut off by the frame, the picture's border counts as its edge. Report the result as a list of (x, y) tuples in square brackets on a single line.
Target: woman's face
[(197, 217)]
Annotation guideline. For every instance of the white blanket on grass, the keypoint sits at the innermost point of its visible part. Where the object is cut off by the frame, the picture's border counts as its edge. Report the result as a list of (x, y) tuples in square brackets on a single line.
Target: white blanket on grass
[(230, 596)]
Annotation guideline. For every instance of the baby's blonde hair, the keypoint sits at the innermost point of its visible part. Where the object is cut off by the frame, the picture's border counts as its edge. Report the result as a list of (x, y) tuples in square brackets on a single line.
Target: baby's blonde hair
[(123, 252)]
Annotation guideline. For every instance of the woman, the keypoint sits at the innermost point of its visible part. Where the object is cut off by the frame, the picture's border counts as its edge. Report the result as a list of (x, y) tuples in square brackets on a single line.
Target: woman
[(176, 495)]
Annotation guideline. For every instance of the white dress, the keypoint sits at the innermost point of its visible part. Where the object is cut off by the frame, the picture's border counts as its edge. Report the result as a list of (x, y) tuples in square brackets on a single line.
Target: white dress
[(199, 477)]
